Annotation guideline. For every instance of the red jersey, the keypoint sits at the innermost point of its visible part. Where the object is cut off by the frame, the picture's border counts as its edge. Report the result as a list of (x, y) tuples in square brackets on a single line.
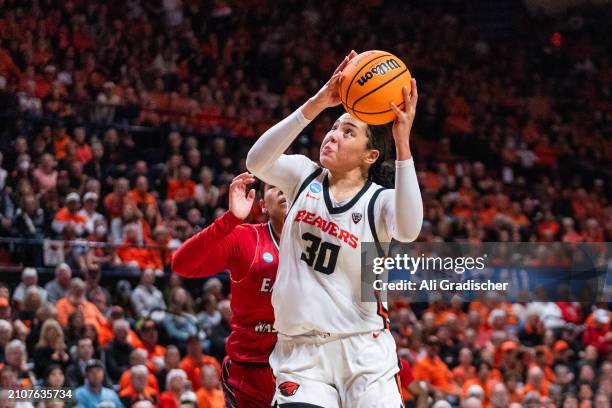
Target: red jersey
[(250, 252)]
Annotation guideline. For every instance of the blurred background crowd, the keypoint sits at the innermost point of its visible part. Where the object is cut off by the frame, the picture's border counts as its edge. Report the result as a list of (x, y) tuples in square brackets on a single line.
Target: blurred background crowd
[(122, 123)]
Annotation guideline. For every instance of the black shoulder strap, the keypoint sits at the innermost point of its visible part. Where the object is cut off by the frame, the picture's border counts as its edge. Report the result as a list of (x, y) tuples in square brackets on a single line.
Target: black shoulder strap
[(371, 204), (305, 184)]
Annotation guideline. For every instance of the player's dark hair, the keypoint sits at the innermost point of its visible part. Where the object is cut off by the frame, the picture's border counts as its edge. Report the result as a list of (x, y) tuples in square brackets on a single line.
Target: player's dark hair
[(382, 172), (261, 187)]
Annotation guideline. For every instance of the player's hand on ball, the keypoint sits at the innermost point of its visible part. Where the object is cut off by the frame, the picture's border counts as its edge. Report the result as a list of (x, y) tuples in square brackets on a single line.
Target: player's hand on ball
[(403, 123), (329, 95), (240, 198)]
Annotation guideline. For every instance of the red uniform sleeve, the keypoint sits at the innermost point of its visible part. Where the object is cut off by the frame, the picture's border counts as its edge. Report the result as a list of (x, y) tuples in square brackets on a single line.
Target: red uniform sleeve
[(405, 373), (210, 251)]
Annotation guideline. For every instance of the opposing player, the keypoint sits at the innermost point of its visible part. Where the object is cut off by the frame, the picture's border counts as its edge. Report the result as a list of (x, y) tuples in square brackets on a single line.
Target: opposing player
[(334, 350), (250, 252)]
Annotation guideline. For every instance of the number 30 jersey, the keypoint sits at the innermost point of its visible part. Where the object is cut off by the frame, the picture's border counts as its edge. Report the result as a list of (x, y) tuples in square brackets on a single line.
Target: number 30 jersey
[(318, 284)]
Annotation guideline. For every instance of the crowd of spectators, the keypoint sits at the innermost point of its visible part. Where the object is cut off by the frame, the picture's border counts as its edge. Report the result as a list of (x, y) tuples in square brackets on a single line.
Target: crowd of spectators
[(122, 122)]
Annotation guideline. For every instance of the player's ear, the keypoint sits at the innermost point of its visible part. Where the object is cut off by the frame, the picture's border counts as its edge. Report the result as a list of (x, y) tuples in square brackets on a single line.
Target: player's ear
[(262, 205), (371, 156)]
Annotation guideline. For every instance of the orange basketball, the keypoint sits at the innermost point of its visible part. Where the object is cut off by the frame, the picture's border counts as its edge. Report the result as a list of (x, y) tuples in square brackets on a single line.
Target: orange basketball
[(370, 82)]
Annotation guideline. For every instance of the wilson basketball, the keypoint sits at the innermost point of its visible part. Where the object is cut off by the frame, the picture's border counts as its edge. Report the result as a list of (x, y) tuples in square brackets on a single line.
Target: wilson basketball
[(370, 82)]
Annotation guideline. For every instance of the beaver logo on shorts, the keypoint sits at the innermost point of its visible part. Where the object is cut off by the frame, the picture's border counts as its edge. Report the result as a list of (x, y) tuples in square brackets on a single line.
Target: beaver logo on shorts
[(288, 388)]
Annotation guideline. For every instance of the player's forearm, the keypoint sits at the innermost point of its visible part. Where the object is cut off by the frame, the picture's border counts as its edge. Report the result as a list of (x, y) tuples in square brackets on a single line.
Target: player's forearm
[(311, 109), (271, 145), (408, 202), (200, 254), (402, 151)]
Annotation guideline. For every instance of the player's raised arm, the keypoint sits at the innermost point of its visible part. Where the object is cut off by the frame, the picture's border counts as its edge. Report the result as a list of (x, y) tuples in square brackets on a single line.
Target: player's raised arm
[(403, 206), (266, 159), (211, 250)]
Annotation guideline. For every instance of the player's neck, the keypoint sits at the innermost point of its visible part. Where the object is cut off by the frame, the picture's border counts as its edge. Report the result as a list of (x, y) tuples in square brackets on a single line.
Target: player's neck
[(346, 184), (277, 228)]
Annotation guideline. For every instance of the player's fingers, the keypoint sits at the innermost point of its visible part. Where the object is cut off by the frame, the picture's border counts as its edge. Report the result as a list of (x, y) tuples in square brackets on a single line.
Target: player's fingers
[(335, 78), (242, 176), (397, 110), (248, 178), (251, 195), (406, 98), (352, 54), (342, 65), (241, 181), (414, 92)]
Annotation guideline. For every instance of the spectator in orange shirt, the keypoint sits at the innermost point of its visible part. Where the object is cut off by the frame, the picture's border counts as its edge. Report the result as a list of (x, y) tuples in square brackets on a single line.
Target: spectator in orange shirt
[(69, 215), (182, 189), (138, 357), (155, 352), (510, 360), (140, 195), (138, 389), (83, 151), (548, 225), (161, 256), (536, 382), (484, 380), (210, 394), (60, 141), (129, 253), (433, 370), (115, 201), (75, 300), (194, 360), (544, 360), (465, 370), (437, 308)]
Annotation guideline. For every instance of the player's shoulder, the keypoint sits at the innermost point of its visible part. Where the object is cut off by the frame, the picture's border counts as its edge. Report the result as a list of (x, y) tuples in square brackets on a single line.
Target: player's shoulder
[(247, 228), (376, 192), (255, 230), (303, 160)]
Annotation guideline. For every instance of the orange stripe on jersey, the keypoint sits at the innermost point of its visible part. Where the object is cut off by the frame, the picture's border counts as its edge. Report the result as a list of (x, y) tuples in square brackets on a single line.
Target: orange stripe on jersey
[(381, 310)]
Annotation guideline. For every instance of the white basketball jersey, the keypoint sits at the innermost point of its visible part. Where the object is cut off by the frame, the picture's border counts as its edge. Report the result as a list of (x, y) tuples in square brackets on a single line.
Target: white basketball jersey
[(318, 284)]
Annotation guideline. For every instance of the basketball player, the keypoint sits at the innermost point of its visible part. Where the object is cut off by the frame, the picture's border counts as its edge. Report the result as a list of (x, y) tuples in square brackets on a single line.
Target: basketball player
[(250, 252), (334, 350)]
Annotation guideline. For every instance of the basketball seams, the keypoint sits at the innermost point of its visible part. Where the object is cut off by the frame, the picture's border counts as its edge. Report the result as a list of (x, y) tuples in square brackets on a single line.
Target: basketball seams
[(376, 113), (357, 73), (378, 87)]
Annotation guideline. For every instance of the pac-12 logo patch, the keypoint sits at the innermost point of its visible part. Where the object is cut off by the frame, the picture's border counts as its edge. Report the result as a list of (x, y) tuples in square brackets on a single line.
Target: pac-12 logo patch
[(268, 257), (288, 388), (315, 188), (357, 217)]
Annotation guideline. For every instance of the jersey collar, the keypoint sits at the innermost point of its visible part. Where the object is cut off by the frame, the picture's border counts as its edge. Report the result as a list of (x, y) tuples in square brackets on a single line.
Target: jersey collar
[(271, 232), (347, 206)]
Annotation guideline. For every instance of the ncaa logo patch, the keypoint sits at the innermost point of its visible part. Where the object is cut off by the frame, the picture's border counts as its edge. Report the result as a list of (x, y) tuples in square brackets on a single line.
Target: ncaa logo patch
[(288, 388), (356, 217), (268, 257), (315, 188)]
